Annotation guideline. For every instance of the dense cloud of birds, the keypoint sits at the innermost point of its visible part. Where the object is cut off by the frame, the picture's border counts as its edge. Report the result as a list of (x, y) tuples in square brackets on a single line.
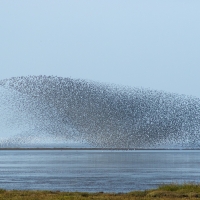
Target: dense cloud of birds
[(103, 115)]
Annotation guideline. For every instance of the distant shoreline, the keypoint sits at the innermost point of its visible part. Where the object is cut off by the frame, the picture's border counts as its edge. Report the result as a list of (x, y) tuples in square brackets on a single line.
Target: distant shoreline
[(93, 149)]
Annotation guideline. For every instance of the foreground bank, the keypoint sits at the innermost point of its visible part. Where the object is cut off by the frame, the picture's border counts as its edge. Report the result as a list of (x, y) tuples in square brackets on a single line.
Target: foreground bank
[(172, 191)]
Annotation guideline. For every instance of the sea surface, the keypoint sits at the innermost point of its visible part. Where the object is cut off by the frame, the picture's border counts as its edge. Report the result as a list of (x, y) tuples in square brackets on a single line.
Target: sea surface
[(96, 170)]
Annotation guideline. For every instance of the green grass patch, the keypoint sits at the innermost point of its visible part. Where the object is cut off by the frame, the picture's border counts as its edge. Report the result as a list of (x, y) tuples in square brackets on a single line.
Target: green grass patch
[(163, 192)]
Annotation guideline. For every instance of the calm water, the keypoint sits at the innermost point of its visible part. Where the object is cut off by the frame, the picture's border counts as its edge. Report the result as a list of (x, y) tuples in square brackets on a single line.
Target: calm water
[(108, 171)]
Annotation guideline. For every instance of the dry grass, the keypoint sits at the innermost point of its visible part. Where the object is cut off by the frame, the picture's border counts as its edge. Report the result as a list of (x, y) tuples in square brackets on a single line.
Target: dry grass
[(164, 192)]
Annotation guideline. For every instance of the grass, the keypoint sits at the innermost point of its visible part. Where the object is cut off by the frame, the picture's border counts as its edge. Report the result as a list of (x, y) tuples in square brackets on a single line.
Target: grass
[(164, 192)]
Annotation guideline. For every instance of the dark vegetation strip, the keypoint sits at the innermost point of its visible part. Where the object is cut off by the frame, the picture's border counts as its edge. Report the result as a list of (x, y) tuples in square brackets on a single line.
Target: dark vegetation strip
[(171, 191)]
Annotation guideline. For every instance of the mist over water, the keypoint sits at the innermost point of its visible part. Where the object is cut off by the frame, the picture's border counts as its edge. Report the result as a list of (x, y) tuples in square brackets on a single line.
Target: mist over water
[(38, 108)]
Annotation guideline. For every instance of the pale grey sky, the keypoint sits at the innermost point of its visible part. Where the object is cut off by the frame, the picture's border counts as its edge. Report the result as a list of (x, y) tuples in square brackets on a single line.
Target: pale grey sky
[(140, 43)]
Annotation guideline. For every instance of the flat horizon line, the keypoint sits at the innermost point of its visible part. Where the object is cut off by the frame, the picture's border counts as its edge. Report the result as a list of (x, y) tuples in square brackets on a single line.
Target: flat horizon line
[(92, 148)]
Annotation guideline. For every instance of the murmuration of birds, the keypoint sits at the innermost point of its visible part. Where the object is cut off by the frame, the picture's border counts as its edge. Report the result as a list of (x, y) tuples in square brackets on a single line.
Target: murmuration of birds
[(102, 115)]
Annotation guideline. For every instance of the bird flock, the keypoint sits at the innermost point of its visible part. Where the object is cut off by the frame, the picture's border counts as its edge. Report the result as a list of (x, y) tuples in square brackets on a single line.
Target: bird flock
[(102, 115)]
